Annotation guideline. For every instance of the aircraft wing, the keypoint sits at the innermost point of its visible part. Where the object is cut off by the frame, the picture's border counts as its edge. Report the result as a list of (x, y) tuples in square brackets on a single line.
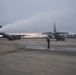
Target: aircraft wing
[(62, 33), (1, 33), (47, 33), (50, 34)]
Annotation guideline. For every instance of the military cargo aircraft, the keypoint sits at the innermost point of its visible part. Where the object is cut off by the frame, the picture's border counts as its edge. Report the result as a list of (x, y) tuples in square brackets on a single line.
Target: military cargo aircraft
[(56, 34), (10, 37)]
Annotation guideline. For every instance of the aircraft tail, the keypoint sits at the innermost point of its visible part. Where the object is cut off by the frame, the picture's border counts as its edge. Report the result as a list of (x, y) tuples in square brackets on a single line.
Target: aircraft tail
[(55, 28)]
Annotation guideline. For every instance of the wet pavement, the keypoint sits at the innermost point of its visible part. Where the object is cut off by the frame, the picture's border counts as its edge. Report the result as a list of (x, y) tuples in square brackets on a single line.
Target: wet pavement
[(52, 48), (31, 61), (41, 44)]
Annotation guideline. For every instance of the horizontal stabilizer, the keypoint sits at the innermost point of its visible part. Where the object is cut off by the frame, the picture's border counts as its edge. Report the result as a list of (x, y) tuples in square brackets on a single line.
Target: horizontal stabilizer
[(62, 32)]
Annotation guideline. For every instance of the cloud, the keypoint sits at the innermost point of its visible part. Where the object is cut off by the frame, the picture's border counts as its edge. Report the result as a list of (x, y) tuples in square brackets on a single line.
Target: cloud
[(41, 22), (33, 24), (37, 15)]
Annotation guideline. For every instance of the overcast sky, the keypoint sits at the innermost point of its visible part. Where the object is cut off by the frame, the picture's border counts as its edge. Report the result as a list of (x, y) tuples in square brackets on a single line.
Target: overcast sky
[(37, 15)]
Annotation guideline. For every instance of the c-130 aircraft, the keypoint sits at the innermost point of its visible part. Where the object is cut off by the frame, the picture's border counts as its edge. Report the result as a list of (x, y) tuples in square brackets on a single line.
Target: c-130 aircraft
[(10, 37), (56, 34)]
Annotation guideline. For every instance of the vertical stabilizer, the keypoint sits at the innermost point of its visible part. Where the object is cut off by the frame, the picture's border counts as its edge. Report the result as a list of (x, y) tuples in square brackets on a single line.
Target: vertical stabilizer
[(54, 27)]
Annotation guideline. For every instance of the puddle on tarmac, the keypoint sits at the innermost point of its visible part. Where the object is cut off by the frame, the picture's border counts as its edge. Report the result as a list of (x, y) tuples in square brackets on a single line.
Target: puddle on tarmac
[(53, 48)]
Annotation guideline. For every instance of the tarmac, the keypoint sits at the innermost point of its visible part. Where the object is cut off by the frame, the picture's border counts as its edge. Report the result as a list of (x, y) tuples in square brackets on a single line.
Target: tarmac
[(18, 58)]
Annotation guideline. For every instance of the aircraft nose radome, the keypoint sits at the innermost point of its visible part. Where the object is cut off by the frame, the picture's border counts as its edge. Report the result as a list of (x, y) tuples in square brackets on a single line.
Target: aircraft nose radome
[(0, 26)]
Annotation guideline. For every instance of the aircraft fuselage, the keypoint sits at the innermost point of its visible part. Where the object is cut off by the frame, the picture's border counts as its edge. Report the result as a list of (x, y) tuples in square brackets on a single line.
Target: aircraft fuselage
[(58, 37)]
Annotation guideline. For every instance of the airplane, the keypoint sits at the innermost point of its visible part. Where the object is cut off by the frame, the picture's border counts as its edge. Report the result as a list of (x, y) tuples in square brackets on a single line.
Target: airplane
[(10, 37), (17, 36), (56, 34)]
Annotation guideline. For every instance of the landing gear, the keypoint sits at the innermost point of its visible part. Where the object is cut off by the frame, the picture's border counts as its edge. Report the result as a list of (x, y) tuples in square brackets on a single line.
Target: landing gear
[(63, 39), (57, 39)]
